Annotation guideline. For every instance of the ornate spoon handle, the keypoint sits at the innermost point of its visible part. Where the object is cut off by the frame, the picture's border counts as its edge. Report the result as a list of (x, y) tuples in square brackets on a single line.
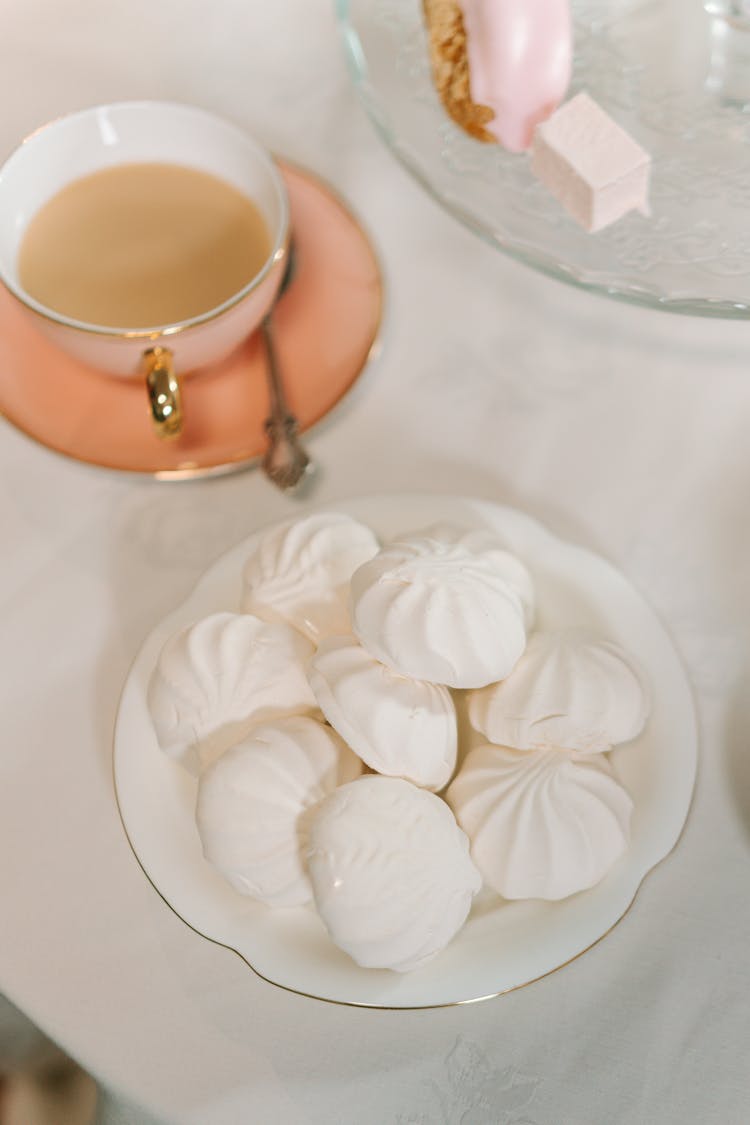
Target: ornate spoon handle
[(285, 461)]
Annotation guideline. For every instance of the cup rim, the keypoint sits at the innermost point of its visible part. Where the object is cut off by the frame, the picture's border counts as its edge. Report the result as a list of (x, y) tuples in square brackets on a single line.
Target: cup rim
[(277, 253)]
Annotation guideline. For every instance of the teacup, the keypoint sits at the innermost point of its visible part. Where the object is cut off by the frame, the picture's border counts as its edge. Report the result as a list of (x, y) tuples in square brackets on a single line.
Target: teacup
[(156, 133)]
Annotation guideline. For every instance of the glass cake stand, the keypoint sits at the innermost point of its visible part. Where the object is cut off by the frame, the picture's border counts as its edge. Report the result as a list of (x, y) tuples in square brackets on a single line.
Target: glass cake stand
[(674, 73)]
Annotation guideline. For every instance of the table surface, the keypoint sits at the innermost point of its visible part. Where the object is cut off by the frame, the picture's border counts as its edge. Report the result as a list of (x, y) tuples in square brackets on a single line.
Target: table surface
[(621, 429)]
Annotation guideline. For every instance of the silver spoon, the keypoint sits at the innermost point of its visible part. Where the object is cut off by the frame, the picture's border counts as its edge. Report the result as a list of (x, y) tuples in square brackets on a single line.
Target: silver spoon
[(285, 461)]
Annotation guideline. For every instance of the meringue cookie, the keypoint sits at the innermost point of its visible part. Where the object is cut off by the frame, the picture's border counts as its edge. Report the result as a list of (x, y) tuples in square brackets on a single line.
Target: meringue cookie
[(253, 806), (481, 541), (300, 572), (440, 610), (570, 689), (390, 872), (216, 679), (397, 725), (542, 824)]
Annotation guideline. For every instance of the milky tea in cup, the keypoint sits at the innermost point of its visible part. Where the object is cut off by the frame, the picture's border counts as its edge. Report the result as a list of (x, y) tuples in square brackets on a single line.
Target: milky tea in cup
[(144, 237), (142, 244)]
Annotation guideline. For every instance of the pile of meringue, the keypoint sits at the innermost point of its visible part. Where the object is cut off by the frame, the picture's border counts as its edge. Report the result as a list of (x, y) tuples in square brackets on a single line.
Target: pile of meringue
[(322, 720)]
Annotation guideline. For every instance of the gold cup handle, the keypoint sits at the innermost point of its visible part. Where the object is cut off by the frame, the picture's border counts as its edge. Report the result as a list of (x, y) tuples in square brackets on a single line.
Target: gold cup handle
[(164, 395)]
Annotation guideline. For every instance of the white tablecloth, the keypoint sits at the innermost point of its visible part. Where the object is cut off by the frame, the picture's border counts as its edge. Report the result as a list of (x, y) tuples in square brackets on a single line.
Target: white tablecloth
[(622, 429)]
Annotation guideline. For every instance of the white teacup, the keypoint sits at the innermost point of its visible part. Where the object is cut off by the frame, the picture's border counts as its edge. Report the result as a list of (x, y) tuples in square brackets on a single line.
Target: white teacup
[(148, 132)]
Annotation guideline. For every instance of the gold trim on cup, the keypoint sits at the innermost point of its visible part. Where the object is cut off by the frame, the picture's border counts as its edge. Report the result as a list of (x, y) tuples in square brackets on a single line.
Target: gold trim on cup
[(156, 333)]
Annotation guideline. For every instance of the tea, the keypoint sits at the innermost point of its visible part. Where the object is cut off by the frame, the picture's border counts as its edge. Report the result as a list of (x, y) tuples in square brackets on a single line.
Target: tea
[(142, 245)]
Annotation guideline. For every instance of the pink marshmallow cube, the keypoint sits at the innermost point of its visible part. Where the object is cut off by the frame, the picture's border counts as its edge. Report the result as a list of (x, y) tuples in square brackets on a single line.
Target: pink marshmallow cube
[(590, 164)]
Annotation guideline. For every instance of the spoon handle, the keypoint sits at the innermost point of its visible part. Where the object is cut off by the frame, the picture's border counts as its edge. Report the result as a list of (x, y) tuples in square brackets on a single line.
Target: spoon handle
[(285, 461), (278, 405)]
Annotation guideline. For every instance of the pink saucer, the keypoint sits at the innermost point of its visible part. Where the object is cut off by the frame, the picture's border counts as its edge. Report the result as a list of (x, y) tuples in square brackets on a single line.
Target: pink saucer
[(324, 325)]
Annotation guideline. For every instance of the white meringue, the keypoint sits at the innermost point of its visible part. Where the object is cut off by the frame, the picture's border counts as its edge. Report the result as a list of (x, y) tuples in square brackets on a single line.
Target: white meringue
[(480, 541), (542, 824), (300, 572), (570, 689), (390, 871), (437, 610), (253, 806), (398, 726), (216, 679)]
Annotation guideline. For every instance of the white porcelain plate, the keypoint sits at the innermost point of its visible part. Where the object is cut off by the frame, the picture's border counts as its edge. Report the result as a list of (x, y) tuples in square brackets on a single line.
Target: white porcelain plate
[(503, 945)]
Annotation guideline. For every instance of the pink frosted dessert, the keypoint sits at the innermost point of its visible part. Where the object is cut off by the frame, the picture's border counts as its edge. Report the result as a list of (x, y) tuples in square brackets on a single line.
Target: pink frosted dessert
[(500, 66)]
